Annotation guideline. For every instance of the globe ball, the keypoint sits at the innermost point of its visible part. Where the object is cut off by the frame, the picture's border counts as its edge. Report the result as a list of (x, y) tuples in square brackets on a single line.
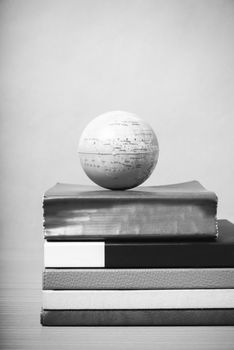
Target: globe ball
[(118, 150)]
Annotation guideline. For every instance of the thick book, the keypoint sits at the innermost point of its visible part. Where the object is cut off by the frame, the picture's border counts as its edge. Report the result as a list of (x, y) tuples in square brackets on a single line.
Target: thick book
[(144, 254), (69, 279), (153, 317), (76, 212), (138, 299)]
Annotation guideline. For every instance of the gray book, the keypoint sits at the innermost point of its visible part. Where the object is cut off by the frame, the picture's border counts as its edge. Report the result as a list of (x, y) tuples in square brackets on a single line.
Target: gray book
[(68, 279), (76, 212)]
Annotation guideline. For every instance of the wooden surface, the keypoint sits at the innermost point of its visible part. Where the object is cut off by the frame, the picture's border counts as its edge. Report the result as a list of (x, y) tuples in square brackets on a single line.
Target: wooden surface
[(20, 303)]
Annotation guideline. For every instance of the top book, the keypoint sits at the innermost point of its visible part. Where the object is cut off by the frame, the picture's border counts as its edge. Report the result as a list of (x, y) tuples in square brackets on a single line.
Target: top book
[(76, 212)]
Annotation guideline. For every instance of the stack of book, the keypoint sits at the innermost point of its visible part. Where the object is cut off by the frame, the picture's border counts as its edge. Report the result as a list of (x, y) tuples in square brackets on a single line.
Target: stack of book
[(148, 256)]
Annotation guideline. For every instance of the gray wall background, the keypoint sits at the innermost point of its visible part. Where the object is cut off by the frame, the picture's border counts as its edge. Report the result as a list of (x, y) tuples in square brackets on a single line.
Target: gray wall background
[(62, 63)]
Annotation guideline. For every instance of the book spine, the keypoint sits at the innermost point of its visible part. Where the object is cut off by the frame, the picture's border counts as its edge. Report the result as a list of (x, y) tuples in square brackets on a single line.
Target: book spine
[(102, 219), (185, 317), (139, 299), (72, 279), (138, 255)]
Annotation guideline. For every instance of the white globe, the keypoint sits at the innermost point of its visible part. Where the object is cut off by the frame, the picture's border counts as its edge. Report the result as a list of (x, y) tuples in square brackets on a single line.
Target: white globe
[(118, 150)]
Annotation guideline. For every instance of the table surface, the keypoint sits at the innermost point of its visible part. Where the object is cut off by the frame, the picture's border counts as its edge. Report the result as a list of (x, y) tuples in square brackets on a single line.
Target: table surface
[(20, 304)]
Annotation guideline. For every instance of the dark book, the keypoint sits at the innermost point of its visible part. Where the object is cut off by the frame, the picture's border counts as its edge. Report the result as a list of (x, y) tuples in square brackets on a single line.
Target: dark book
[(145, 254), (154, 317), (83, 279), (75, 212)]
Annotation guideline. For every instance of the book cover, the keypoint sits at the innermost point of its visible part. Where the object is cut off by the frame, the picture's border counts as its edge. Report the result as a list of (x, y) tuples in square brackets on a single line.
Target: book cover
[(76, 212)]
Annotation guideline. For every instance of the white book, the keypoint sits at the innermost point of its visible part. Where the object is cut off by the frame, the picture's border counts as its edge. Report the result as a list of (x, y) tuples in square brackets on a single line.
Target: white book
[(139, 299), (74, 254)]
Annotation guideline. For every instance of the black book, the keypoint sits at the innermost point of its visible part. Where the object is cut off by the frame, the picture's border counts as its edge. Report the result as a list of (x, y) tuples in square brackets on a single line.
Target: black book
[(167, 317)]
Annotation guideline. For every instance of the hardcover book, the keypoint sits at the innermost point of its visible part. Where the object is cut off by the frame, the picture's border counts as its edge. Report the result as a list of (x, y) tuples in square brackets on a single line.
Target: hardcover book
[(138, 299), (69, 279), (75, 212), (153, 317)]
